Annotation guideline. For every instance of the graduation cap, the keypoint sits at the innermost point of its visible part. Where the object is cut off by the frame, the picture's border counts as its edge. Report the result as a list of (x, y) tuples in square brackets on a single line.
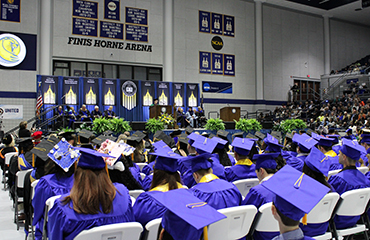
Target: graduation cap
[(251, 136), (166, 160), (304, 142), (85, 133), (296, 193), (108, 133), (183, 138), (349, 130), (309, 132), (222, 134), (63, 155), (160, 135), (220, 142), (260, 135), (7, 139), (352, 149), (242, 146), (185, 211), (205, 134), (42, 149), (91, 159), (238, 134), (189, 129), (365, 138), (289, 135), (203, 145), (335, 137), (157, 146), (211, 135), (266, 160), (276, 134), (272, 144), (318, 161), (323, 141), (192, 137), (101, 138), (136, 136), (198, 162), (175, 133)]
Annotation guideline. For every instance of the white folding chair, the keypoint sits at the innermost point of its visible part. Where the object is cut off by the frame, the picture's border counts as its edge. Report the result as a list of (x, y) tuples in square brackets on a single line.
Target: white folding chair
[(322, 213), (237, 224), (133, 200), (363, 169), (333, 172), (353, 203), (19, 184), (245, 185), (266, 221), (141, 165), (152, 227), (48, 205), (135, 193), (7, 156), (33, 185), (142, 175), (117, 231)]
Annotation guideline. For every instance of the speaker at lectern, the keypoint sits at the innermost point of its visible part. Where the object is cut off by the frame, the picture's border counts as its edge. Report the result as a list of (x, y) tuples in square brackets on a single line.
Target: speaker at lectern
[(157, 110)]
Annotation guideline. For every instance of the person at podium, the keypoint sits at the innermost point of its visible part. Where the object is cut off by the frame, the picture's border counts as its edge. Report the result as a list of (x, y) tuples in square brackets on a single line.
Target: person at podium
[(109, 113), (155, 102)]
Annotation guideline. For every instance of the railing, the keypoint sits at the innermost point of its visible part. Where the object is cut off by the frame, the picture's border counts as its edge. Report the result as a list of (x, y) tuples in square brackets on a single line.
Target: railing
[(333, 85), (217, 114), (315, 95)]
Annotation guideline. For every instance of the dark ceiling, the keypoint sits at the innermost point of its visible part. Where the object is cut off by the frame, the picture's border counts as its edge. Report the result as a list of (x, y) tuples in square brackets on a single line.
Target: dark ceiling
[(324, 4)]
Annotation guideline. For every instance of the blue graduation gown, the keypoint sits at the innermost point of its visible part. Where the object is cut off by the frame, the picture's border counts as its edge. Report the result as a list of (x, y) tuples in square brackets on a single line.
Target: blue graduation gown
[(239, 171), (293, 235), (288, 154), (48, 186), (348, 179), (148, 169), (336, 148), (257, 196), (232, 159), (296, 162), (218, 193), (334, 161), (135, 171), (65, 223), (147, 182)]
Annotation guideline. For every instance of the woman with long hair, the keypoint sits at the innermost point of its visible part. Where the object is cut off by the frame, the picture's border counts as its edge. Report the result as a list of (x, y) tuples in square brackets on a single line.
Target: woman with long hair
[(93, 200)]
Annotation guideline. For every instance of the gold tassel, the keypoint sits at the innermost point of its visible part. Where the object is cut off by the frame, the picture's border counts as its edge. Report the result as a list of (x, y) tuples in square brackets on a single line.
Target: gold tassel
[(33, 160), (304, 219), (106, 169), (178, 145), (205, 233)]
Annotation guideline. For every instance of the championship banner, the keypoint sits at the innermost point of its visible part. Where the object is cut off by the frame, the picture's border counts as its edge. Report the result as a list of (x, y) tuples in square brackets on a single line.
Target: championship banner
[(11, 111), (178, 90), (91, 93), (147, 92), (163, 93), (70, 90), (192, 95), (129, 93), (109, 92), (49, 89)]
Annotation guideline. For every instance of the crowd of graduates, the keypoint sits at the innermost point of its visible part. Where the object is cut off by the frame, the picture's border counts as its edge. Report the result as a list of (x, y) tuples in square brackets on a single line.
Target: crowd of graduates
[(193, 172)]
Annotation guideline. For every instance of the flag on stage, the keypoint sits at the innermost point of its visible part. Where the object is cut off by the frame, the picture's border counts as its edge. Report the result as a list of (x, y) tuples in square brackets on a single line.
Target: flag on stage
[(39, 101)]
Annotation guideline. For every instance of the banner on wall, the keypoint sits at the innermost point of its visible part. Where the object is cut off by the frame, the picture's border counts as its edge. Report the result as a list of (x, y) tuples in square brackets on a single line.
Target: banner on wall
[(112, 9), (70, 90), (217, 63), (91, 92), (229, 68), (11, 111), (204, 22), (49, 89), (178, 94), (10, 10), (109, 92), (163, 93), (217, 24), (147, 92), (129, 94), (217, 87), (192, 94), (205, 62)]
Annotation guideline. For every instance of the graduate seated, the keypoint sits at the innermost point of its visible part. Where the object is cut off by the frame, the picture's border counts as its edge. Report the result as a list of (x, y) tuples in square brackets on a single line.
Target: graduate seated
[(84, 138), (325, 146), (244, 149), (93, 201), (218, 193), (304, 144), (259, 195), (9, 142), (221, 151), (365, 142), (349, 178), (296, 195)]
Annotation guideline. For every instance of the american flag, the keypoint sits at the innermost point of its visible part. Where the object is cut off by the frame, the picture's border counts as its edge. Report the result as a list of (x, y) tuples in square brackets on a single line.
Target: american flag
[(39, 101)]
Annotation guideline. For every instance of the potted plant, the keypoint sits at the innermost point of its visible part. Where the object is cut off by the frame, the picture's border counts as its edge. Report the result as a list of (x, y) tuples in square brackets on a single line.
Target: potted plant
[(167, 120), (153, 125), (101, 125), (119, 125), (292, 124), (215, 124), (247, 125)]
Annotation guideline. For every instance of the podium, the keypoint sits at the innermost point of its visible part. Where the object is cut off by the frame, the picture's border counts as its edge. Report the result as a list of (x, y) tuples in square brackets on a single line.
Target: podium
[(228, 114), (156, 110)]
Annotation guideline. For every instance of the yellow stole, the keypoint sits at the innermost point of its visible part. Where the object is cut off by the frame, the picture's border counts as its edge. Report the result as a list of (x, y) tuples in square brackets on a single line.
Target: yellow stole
[(208, 178), (331, 153), (164, 188), (244, 162)]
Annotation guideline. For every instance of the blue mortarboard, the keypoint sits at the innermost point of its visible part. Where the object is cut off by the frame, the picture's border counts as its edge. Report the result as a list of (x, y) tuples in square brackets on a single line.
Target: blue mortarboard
[(296, 193), (183, 209), (220, 142), (166, 160), (91, 159), (266, 160), (304, 141), (242, 146), (352, 149), (203, 145), (272, 144), (365, 138), (335, 137), (157, 146), (349, 130), (64, 155), (323, 141), (196, 163), (192, 137), (318, 161)]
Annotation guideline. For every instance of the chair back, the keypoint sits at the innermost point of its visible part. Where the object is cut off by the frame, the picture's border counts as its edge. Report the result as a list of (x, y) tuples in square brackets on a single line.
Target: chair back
[(266, 221), (245, 185), (135, 193), (20, 177), (324, 209), (133, 200), (363, 169), (8, 156), (142, 175), (152, 227), (141, 165), (117, 231), (333, 172), (50, 202), (237, 224), (354, 202), (33, 185)]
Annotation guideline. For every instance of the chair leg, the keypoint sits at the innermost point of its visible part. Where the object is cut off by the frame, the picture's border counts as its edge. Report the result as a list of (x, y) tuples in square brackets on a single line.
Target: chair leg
[(333, 229)]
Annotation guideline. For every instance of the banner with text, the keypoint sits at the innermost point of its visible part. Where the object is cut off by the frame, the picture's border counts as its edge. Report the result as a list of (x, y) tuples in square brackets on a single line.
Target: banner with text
[(49, 89), (11, 111), (91, 91), (163, 93), (147, 92), (70, 90), (109, 92), (192, 94), (217, 87), (178, 90)]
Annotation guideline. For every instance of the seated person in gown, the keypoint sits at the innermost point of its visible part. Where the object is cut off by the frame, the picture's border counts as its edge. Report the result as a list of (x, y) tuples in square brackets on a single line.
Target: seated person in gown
[(96, 113), (109, 113), (84, 114)]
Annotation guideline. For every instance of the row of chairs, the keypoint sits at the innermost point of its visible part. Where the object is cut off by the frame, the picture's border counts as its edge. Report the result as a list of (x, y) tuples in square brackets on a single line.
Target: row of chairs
[(242, 221)]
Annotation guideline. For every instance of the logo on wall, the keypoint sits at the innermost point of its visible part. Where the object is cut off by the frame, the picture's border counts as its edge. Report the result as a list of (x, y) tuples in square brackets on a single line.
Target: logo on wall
[(12, 50), (217, 43), (129, 90)]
